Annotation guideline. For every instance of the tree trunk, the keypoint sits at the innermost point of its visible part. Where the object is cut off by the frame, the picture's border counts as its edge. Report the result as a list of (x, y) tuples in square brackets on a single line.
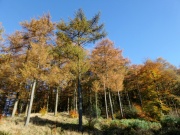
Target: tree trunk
[(31, 103), (76, 102), (105, 98), (15, 105), (120, 105), (112, 113), (56, 104), (129, 103), (26, 111), (90, 104), (96, 104), (79, 96), (68, 106), (20, 108), (80, 104), (15, 108), (47, 104), (139, 94)]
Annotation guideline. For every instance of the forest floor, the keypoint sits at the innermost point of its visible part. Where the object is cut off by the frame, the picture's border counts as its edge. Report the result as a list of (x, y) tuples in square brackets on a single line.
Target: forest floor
[(62, 124)]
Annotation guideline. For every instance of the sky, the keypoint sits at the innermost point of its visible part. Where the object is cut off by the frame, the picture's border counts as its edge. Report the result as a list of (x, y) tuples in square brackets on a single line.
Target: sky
[(143, 29)]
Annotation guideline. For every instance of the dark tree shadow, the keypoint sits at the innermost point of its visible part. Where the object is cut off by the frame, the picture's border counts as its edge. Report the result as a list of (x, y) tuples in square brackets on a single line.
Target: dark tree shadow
[(64, 126)]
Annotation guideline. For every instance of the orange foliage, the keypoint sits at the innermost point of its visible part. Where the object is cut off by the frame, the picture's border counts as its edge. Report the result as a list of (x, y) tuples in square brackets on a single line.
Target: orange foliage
[(73, 114)]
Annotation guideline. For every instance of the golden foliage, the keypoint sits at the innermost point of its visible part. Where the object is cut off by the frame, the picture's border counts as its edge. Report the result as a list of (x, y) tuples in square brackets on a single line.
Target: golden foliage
[(73, 114), (43, 111)]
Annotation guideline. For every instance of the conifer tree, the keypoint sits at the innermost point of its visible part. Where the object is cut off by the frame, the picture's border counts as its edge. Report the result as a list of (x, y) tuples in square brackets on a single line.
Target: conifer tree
[(106, 61), (80, 31), (32, 44)]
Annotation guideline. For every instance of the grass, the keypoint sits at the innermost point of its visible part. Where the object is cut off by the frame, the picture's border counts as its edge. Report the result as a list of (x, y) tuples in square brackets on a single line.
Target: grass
[(64, 124)]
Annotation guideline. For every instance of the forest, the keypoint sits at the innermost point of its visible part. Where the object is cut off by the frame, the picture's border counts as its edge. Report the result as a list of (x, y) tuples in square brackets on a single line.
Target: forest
[(46, 68)]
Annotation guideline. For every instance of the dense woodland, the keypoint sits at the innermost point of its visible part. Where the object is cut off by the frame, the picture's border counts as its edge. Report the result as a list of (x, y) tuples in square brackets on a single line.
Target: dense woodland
[(46, 65)]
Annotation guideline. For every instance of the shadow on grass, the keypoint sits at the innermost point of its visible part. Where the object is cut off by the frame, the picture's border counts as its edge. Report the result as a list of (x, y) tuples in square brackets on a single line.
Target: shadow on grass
[(64, 126), (131, 130)]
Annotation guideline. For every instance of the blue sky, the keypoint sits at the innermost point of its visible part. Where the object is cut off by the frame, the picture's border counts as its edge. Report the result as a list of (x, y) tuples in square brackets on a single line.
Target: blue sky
[(141, 28)]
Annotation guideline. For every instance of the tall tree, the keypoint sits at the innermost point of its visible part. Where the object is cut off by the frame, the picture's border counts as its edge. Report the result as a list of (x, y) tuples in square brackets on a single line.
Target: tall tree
[(1, 31), (80, 31), (106, 61), (32, 43)]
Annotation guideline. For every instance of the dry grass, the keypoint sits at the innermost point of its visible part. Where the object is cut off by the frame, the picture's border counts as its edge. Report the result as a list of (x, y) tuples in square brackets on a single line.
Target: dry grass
[(42, 125)]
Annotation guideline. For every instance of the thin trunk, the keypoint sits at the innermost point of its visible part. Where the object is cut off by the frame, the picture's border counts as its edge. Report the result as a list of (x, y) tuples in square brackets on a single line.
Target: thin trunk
[(90, 103), (15, 108), (112, 113), (31, 103), (79, 90), (129, 103), (56, 104), (15, 105), (139, 94), (68, 106), (80, 104), (120, 104), (26, 111), (75, 100), (47, 104), (105, 98), (21, 107), (76, 103), (96, 104)]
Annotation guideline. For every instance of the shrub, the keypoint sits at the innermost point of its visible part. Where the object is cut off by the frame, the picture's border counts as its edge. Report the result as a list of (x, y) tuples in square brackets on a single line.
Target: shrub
[(43, 111), (4, 133), (115, 124), (94, 111), (73, 114), (170, 121), (131, 113), (141, 124)]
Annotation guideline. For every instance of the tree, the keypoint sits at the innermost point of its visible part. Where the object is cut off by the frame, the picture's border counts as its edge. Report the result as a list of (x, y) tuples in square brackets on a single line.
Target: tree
[(106, 61), (1, 31), (80, 31), (32, 44), (96, 88)]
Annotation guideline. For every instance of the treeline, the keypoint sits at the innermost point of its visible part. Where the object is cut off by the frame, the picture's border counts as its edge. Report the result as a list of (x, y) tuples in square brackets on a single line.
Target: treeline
[(46, 65)]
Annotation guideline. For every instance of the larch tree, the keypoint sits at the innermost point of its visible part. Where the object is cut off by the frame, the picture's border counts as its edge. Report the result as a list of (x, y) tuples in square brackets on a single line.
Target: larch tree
[(1, 31), (96, 88), (30, 43), (106, 61), (80, 31)]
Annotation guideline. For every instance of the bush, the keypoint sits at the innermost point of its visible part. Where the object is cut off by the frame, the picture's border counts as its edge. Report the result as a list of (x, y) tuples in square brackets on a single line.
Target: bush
[(43, 111), (132, 127), (94, 111), (170, 121), (73, 114), (4, 133), (131, 113), (135, 124)]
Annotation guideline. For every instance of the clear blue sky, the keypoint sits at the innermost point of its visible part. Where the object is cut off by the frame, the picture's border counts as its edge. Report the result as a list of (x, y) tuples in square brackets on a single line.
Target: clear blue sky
[(141, 28)]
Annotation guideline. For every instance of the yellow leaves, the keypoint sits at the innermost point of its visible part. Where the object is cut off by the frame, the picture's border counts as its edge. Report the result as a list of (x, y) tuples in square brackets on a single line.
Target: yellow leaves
[(96, 86), (30, 71), (39, 54), (108, 61), (40, 27)]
